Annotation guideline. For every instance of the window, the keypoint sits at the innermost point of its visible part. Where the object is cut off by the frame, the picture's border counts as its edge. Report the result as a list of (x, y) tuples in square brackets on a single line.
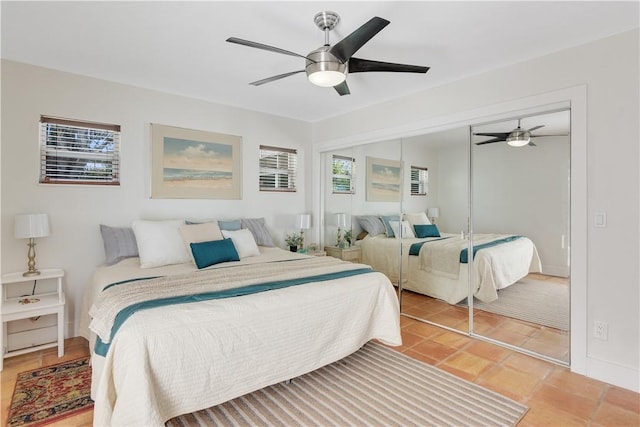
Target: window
[(75, 152), (278, 168), (343, 180), (419, 181)]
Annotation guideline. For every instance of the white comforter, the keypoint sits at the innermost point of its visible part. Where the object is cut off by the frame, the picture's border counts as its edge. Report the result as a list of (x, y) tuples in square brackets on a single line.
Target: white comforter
[(496, 267), (174, 360)]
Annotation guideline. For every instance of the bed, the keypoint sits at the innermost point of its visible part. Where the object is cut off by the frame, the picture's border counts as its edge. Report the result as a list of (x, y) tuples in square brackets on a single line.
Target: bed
[(435, 270), (166, 360)]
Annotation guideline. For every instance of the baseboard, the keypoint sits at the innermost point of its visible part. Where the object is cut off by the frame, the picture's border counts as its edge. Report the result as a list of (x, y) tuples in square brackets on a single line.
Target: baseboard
[(611, 373), (556, 270)]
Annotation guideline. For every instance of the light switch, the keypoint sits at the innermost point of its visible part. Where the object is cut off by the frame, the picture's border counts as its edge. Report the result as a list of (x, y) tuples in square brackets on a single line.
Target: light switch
[(601, 219)]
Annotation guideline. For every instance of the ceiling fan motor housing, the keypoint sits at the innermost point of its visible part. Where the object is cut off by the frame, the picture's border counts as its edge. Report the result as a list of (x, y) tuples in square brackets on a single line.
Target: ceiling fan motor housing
[(325, 69)]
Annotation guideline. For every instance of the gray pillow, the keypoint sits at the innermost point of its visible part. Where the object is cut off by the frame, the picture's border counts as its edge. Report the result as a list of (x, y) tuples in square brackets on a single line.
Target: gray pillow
[(232, 225), (119, 243), (259, 230), (372, 224)]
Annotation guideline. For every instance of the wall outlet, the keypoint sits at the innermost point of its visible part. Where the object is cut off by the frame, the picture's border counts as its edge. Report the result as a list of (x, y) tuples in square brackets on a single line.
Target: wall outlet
[(600, 330)]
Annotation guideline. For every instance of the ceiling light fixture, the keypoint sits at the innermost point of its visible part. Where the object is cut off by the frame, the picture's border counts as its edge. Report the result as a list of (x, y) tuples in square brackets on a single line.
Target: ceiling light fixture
[(519, 137), (324, 69)]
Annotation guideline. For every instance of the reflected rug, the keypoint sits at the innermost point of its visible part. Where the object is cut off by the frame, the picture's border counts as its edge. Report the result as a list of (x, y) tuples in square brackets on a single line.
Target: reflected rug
[(375, 386), (49, 394), (536, 301)]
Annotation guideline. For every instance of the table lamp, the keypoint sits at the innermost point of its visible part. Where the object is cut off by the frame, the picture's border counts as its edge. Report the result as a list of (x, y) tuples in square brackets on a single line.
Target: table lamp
[(341, 222), (31, 226), (303, 222), (433, 214)]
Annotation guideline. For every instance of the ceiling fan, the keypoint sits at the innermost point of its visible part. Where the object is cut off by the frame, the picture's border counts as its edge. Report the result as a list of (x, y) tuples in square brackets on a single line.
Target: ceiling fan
[(328, 65), (518, 137)]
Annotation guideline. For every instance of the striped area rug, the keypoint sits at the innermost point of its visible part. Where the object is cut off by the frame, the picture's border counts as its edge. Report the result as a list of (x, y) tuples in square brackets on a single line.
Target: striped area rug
[(375, 386), (536, 301)]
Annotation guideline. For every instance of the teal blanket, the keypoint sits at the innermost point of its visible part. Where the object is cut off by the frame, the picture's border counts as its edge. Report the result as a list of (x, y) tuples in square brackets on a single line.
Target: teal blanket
[(415, 248), (464, 255), (102, 348)]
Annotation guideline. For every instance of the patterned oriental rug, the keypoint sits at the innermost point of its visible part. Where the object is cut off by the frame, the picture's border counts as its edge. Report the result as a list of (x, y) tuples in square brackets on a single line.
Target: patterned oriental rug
[(375, 386), (49, 394)]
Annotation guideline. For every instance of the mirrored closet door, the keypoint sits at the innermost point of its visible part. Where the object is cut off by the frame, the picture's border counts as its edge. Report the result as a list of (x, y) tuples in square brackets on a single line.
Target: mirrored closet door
[(438, 185), (520, 196), (362, 196)]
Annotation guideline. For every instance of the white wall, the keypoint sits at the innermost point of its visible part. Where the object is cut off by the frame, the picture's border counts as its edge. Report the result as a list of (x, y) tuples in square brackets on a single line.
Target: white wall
[(76, 211), (606, 279)]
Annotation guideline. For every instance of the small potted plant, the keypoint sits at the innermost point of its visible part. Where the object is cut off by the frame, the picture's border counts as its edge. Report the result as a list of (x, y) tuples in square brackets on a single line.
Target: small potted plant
[(348, 237), (293, 240)]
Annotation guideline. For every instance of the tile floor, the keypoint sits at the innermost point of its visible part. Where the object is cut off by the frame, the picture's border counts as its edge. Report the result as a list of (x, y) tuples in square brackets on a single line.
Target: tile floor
[(555, 396), (550, 342)]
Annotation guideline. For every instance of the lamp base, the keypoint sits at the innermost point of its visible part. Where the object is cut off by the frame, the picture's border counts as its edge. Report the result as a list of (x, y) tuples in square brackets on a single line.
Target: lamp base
[(31, 273)]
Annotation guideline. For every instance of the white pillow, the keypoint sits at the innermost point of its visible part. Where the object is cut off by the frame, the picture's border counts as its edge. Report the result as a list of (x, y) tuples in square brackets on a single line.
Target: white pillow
[(417, 218), (160, 243), (243, 241), (407, 229)]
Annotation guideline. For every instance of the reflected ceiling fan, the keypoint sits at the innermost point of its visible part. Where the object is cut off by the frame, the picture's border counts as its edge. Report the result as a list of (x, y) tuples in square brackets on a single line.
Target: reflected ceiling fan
[(328, 65), (518, 137)]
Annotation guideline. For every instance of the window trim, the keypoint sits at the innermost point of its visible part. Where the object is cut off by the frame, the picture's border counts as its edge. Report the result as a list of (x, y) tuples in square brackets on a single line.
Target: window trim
[(291, 174), (424, 183), (351, 177), (45, 149)]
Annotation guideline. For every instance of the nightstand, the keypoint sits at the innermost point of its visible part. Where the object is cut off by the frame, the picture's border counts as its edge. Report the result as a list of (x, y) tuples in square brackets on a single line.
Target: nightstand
[(352, 254), (24, 307)]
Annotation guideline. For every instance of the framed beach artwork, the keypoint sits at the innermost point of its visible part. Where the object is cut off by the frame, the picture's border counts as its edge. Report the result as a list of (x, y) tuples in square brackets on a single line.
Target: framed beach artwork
[(194, 164), (384, 179)]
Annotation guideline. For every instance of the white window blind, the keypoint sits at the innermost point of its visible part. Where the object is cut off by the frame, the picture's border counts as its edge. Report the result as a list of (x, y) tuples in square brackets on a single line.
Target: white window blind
[(278, 168), (77, 152), (419, 181), (343, 180)]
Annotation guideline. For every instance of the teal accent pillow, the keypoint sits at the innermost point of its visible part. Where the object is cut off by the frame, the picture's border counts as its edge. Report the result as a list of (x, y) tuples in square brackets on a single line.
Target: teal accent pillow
[(206, 254), (232, 225), (385, 220), (426, 230)]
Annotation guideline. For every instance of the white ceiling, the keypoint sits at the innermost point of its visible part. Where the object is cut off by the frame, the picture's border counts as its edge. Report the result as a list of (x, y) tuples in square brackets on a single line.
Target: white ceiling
[(179, 47)]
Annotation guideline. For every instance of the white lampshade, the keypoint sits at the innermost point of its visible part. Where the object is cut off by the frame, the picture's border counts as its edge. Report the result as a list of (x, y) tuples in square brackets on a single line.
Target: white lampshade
[(31, 226), (303, 221), (341, 220), (433, 212)]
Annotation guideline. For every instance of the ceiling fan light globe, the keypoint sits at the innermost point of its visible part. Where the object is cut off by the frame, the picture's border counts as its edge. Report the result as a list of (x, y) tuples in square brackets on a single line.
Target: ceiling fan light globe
[(324, 69), (326, 78), (518, 138)]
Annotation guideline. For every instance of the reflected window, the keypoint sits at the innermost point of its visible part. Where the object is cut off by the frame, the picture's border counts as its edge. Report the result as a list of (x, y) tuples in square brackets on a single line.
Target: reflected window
[(419, 181), (343, 169)]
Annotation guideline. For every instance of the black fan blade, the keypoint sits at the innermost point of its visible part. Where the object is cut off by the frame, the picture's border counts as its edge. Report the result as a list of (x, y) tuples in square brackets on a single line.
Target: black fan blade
[(536, 127), (502, 135), (357, 65), (349, 45), (273, 78), (532, 144), (557, 134), (490, 141), (263, 47), (342, 88)]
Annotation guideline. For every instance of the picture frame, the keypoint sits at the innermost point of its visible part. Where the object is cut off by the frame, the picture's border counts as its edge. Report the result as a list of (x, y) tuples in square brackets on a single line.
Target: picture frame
[(195, 164), (384, 180)]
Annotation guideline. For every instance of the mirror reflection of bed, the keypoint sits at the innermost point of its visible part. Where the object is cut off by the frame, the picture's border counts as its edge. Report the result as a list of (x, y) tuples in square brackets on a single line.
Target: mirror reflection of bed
[(522, 298)]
